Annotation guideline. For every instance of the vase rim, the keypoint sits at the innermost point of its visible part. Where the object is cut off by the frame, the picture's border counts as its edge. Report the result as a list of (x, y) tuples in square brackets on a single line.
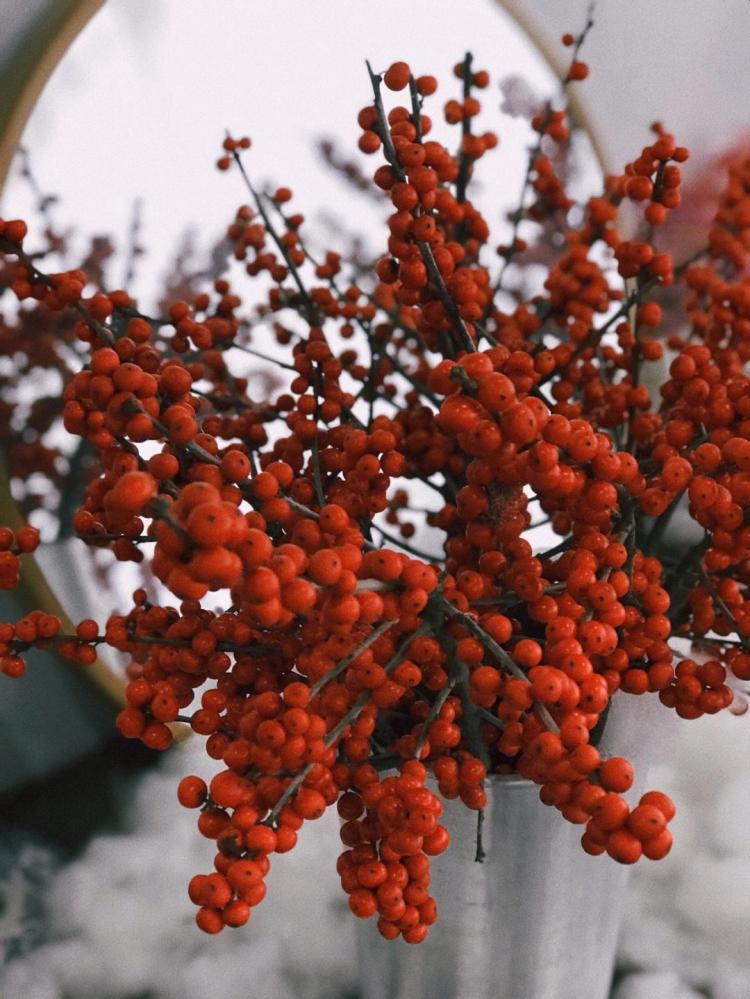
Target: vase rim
[(511, 780)]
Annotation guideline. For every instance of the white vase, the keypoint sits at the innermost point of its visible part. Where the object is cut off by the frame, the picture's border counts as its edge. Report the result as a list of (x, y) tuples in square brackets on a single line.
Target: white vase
[(538, 919)]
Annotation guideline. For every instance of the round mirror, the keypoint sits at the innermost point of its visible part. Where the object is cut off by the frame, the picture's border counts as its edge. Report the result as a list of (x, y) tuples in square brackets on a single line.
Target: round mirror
[(118, 156)]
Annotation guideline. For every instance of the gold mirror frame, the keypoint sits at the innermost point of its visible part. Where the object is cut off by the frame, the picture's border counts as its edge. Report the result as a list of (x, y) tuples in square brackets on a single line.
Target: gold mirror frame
[(42, 41)]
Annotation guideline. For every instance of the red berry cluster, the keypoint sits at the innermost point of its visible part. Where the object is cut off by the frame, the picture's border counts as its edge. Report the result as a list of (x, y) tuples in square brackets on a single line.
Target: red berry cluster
[(13, 544), (391, 830), (327, 659)]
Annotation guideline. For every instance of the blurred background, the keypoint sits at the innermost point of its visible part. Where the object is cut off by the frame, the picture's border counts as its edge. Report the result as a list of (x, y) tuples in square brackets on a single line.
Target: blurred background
[(94, 850)]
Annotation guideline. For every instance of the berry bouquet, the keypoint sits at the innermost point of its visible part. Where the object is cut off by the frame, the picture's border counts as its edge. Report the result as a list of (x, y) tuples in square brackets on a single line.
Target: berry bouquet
[(326, 657)]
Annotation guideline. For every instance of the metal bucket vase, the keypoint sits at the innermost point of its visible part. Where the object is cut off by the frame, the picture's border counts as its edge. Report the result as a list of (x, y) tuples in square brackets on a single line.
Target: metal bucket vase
[(538, 919)]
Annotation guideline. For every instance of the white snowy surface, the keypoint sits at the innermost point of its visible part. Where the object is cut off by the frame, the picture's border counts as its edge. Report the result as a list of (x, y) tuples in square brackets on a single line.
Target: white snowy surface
[(690, 913), (121, 923)]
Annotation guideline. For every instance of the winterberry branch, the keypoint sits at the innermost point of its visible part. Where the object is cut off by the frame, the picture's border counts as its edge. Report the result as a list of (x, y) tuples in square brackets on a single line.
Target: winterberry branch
[(432, 714), (499, 653), (458, 326)]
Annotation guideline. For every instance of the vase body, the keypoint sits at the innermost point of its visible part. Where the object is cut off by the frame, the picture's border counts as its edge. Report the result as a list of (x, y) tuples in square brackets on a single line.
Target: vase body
[(538, 919)]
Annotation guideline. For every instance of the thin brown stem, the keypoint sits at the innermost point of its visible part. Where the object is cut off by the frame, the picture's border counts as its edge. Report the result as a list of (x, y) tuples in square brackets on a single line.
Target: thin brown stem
[(340, 666)]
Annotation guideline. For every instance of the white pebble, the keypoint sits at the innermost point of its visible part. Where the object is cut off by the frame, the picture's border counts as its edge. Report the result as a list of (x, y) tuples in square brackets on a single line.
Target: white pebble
[(654, 985)]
